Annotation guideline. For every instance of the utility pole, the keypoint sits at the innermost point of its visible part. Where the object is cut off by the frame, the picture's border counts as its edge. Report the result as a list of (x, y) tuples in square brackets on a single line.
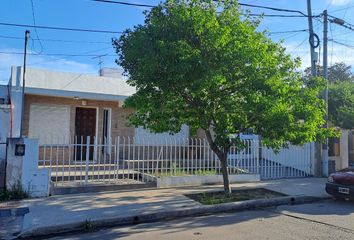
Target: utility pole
[(318, 145), (325, 169), (312, 40), (24, 81)]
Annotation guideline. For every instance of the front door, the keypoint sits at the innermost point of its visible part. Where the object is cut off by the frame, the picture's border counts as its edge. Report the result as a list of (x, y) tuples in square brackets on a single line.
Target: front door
[(85, 125)]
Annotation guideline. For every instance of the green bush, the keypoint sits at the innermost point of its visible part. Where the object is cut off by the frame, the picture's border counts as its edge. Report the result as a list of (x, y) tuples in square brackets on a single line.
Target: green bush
[(16, 192)]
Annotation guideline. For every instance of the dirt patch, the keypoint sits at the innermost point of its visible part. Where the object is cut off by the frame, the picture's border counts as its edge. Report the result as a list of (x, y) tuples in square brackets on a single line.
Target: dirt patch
[(210, 198)]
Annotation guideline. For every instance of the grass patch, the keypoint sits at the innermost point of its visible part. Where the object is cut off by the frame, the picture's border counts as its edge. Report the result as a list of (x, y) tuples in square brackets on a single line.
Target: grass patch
[(177, 171), (211, 198), (15, 193)]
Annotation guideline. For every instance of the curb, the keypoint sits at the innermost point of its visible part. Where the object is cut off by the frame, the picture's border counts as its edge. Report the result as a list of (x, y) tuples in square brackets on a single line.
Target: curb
[(168, 215)]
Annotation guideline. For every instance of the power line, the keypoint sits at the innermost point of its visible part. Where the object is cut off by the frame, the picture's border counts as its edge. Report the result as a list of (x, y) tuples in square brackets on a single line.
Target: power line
[(273, 15), (57, 40), (59, 28), (271, 8), (342, 9), (343, 44), (35, 29), (341, 22), (142, 5), (241, 4), (289, 31), (55, 54), (299, 45), (124, 3), (84, 53)]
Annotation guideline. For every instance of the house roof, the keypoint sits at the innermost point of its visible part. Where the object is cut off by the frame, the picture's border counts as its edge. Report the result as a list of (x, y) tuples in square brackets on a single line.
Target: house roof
[(64, 84)]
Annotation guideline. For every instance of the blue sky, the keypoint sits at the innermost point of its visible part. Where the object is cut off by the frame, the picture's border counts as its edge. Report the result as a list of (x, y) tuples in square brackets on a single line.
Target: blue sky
[(93, 15)]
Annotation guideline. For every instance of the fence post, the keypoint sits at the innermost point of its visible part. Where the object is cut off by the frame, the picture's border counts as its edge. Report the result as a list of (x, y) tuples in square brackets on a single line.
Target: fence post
[(87, 158), (258, 147)]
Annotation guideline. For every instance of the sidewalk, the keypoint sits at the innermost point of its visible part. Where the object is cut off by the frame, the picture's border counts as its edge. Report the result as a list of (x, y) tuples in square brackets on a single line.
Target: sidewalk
[(58, 212)]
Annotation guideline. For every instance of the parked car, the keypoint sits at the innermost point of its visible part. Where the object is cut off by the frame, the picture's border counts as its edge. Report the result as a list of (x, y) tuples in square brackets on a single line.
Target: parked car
[(341, 184)]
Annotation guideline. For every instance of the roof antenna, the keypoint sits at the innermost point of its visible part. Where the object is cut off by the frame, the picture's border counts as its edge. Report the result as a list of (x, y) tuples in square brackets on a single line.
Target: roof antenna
[(100, 62)]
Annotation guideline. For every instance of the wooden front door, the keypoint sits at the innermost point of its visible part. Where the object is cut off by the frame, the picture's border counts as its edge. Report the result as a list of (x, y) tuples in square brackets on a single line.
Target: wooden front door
[(85, 125)]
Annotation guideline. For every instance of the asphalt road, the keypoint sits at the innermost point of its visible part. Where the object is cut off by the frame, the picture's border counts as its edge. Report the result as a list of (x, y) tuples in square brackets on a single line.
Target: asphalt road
[(322, 220)]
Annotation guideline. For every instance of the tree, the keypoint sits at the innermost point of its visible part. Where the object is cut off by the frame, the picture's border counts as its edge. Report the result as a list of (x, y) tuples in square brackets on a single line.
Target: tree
[(200, 63), (341, 104), (338, 72)]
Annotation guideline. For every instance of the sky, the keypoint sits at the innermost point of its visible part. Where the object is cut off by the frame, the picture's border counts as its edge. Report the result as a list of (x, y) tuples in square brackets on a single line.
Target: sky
[(103, 16)]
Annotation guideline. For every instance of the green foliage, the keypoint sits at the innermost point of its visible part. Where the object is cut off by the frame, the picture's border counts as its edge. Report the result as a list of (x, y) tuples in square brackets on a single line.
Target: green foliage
[(341, 104), (337, 73), (210, 198), (192, 65), (15, 193), (88, 225)]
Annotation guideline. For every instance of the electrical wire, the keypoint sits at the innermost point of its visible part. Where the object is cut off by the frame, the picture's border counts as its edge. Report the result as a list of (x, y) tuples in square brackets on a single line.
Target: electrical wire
[(289, 31), (343, 44), (342, 9), (299, 45), (124, 3), (35, 29), (59, 28), (55, 54), (58, 40), (241, 4)]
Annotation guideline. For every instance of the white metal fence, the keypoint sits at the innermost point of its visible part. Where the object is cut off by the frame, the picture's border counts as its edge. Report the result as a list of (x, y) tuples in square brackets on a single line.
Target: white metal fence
[(126, 160)]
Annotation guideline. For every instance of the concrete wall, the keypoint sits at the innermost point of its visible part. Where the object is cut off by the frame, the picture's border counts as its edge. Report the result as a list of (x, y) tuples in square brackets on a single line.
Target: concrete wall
[(16, 106), (180, 181), (5, 113), (24, 170)]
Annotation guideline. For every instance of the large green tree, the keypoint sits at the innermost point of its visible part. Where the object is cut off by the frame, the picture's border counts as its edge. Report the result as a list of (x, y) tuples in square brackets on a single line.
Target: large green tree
[(337, 73), (341, 104), (202, 63)]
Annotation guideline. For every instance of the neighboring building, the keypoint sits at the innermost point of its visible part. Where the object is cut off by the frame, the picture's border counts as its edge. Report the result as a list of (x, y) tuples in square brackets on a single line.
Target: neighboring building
[(60, 106), (341, 150), (4, 130)]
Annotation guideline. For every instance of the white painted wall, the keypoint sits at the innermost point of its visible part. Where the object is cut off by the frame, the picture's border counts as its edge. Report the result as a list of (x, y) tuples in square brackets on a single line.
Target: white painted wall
[(24, 169), (144, 136), (298, 157), (5, 112), (16, 105)]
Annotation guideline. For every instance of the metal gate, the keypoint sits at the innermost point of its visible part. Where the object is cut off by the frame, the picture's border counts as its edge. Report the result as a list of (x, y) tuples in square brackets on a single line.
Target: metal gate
[(126, 160)]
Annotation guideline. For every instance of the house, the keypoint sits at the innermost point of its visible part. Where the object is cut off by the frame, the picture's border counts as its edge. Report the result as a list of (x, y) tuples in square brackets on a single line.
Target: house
[(64, 110), (341, 150), (60, 106)]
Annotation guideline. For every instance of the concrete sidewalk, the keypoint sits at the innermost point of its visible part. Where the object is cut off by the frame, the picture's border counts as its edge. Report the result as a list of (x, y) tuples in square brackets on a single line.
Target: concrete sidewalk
[(62, 211)]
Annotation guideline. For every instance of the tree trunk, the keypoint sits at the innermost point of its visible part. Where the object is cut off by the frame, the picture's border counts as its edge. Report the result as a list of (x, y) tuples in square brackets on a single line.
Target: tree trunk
[(225, 175), (222, 155)]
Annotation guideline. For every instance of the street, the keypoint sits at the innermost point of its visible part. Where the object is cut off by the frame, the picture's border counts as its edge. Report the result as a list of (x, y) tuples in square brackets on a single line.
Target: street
[(322, 220)]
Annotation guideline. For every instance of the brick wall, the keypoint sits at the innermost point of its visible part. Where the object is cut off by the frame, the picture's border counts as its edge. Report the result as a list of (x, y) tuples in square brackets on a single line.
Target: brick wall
[(119, 114)]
